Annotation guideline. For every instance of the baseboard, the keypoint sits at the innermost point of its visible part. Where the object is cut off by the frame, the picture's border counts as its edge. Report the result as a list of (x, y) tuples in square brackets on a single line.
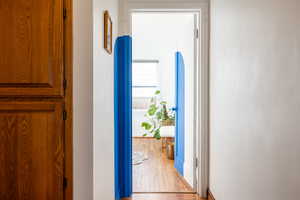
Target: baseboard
[(149, 137), (210, 196), (141, 137)]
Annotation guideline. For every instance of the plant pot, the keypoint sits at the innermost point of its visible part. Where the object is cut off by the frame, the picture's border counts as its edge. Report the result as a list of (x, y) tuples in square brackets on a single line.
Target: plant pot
[(168, 122)]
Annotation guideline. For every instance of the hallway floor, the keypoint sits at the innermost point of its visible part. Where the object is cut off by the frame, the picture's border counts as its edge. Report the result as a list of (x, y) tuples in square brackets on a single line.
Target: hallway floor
[(157, 174), (165, 197)]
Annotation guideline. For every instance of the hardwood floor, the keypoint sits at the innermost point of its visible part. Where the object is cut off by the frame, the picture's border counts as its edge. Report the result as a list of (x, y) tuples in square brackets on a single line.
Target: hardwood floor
[(158, 196), (157, 174)]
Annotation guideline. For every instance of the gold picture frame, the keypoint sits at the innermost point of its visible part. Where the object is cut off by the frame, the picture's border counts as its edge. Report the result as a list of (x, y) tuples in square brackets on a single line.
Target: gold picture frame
[(108, 32)]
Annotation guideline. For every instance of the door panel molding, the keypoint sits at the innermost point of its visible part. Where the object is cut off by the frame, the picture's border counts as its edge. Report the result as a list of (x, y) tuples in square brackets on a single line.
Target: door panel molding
[(31, 53), (32, 150)]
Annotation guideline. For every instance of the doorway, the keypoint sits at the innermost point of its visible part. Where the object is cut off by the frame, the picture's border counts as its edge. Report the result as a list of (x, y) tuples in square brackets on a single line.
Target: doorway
[(201, 8), (164, 65)]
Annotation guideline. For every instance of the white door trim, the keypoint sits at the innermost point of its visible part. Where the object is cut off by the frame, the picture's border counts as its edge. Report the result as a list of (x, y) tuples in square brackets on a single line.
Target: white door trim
[(201, 7)]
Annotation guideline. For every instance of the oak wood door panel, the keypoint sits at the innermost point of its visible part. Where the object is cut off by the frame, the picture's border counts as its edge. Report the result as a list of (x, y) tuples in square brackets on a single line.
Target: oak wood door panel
[(31, 48), (32, 151)]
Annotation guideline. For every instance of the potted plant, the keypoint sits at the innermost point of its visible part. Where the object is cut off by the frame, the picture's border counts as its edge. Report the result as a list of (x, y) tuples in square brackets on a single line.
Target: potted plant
[(157, 116)]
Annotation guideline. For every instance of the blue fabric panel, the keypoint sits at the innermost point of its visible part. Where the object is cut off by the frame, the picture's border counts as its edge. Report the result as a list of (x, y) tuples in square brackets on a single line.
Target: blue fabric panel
[(123, 116), (180, 94)]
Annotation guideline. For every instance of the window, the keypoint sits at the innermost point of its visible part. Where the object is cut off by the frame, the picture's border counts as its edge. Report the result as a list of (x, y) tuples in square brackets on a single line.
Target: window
[(144, 78)]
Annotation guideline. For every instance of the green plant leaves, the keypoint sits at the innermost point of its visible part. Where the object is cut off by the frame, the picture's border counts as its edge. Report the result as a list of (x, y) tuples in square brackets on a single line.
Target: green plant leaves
[(159, 115), (147, 126), (157, 134), (152, 110), (156, 114), (163, 103)]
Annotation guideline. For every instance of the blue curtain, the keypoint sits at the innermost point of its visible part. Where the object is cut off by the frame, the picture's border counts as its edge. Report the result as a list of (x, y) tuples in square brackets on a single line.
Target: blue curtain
[(180, 94), (123, 116)]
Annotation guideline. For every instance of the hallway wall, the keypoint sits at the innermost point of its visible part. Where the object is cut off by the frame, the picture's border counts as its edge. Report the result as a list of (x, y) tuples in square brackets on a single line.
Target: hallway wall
[(93, 125), (103, 97), (255, 96), (83, 99)]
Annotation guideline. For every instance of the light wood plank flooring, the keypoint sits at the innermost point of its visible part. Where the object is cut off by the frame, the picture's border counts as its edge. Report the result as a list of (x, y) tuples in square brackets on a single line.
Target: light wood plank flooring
[(164, 197), (157, 174)]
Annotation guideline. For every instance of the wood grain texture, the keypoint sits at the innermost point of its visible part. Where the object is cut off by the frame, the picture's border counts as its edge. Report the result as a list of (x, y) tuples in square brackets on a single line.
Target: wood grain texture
[(31, 51), (32, 151), (158, 196), (210, 196), (68, 63), (35, 59), (157, 174)]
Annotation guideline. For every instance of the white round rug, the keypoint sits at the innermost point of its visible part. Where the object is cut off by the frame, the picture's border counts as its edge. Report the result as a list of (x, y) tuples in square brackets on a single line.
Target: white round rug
[(138, 158)]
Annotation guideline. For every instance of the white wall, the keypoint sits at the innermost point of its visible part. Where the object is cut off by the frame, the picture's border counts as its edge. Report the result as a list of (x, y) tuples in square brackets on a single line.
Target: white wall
[(93, 91), (255, 96), (103, 83), (82, 100), (158, 37)]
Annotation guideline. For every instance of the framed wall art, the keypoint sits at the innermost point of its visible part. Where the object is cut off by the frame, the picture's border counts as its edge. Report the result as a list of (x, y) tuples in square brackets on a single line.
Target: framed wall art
[(108, 35)]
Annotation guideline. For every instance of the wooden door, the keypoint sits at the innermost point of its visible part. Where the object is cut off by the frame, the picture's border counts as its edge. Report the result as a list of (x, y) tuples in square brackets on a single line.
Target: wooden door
[(31, 53), (35, 65), (32, 151)]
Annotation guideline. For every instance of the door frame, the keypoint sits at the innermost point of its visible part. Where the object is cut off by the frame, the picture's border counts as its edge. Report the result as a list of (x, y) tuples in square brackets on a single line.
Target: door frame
[(201, 135), (68, 74)]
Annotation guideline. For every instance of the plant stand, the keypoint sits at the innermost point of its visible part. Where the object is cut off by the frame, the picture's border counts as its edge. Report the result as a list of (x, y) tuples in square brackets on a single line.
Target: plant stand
[(170, 150)]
